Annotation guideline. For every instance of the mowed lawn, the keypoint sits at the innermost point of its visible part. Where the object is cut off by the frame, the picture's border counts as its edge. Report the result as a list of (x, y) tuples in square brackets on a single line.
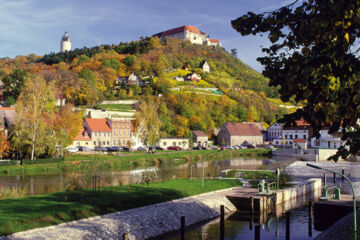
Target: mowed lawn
[(25, 213)]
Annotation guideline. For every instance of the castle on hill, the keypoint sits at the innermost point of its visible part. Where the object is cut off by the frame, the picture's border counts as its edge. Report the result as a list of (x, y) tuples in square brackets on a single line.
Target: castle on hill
[(191, 33)]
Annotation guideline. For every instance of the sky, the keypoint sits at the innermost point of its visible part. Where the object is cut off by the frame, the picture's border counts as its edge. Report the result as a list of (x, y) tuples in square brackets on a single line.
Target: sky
[(36, 26)]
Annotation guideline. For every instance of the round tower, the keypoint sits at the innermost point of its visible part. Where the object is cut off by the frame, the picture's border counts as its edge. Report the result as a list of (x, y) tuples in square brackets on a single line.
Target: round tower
[(65, 43)]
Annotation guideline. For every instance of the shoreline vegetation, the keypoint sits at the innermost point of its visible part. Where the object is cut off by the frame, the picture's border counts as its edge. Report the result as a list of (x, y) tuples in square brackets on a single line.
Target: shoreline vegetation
[(80, 162), (20, 214)]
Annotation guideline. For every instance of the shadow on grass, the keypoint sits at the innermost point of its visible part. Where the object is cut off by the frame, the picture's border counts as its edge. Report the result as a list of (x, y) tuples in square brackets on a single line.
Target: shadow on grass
[(44, 210)]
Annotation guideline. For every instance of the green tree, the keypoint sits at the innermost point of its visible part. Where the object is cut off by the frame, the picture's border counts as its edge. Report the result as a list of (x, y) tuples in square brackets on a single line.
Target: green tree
[(13, 83), (314, 59)]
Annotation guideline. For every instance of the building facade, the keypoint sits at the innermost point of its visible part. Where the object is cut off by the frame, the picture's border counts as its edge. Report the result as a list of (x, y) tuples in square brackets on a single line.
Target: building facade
[(200, 139), (326, 140), (83, 139), (275, 131), (122, 132), (204, 65), (232, 134), (183, 143), (99, 131)]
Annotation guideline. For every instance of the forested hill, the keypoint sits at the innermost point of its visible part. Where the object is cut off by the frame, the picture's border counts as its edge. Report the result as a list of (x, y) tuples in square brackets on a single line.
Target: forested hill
[(86, 76)]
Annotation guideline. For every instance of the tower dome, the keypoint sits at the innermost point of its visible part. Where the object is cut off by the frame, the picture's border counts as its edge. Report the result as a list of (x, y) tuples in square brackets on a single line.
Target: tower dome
[(65, 43)]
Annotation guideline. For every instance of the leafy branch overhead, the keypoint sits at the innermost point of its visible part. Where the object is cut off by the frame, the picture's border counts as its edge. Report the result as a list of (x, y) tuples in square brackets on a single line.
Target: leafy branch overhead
[(314, 59)]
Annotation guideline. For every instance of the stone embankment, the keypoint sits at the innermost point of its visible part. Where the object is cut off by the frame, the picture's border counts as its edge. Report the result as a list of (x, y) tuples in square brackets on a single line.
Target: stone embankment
[(139, 223)]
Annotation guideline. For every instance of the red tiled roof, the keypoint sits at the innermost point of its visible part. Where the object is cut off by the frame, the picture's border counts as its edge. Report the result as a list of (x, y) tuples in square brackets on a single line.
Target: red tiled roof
[(243, 129), (81, 136), (299, 140), (181, 29), (7, 108), (98, 124), (200, 133), (214, 40)]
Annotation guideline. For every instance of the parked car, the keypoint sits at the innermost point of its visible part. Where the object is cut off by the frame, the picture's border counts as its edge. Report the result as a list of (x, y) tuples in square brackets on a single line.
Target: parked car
[(229, 147), (196, 148), (176, 148), (215, 148), (223, 148), (159, 148), (101, 149), (84, 149), (250, 146), (141, 149), (113, 149), (124, 149), (72, 149)]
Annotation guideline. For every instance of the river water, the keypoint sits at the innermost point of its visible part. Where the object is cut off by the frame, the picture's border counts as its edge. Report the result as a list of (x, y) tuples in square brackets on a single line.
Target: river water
[(39, 184)]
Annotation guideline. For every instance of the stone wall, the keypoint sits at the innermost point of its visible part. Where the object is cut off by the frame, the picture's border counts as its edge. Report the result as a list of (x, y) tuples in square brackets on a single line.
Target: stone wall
[(139, 223)]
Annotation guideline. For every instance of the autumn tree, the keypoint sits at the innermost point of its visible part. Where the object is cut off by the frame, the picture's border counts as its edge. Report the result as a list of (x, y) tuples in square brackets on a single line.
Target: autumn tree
[(314, 58), (147, 123), (4, 143), (34, 109)]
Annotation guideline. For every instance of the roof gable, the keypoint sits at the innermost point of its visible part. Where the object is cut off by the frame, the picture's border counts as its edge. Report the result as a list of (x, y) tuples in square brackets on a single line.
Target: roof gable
[(97, 124), (199, 134), (181, 29)]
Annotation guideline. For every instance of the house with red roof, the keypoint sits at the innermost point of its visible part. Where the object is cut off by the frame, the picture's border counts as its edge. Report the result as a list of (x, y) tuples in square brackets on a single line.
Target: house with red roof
[(200, 139), (191, 33), (236, 134), (99, 131), (82, 139)]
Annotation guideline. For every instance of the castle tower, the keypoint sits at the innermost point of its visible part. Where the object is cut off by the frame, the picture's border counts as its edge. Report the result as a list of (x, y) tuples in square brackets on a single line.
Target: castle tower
[(65, 43)]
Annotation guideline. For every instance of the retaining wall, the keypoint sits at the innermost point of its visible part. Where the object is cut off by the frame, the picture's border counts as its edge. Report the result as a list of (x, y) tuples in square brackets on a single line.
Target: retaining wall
[(140, 223)]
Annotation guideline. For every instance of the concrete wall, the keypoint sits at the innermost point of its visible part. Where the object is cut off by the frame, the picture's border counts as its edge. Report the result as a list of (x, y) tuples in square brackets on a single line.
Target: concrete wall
[(308, 154), (121, 102)]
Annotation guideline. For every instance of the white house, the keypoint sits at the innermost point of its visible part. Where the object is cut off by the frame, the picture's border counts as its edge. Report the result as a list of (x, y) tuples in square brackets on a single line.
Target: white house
[(183, 143), (133, 79), (275, 131), (204, 65), (327, 140), (192, 77)]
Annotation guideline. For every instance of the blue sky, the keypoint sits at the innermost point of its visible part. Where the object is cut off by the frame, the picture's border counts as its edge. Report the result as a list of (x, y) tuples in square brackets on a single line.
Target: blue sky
[(36, 26)]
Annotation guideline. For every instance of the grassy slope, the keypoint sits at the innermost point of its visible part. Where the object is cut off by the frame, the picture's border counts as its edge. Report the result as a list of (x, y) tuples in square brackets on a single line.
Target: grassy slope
[(43, 210)]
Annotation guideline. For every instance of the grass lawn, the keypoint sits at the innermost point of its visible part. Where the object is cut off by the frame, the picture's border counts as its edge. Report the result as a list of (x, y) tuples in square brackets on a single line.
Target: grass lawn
[(25, 213), (117, 107)]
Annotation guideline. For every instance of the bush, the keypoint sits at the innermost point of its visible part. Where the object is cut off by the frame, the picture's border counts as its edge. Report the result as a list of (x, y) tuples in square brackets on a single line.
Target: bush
[(9, 163)]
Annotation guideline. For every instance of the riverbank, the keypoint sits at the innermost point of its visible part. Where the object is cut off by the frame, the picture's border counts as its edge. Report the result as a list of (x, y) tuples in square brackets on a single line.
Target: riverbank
[(21, 214), (81, 162)]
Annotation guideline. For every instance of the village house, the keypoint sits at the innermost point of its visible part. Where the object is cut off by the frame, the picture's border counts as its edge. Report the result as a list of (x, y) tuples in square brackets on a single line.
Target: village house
[(327, 140), (183, 143), (7, 118), (200, 139), (275, 131), (99, 131), (232, 134), (302, 130), (299, 144), (122, 131), (191, 33), (133, 79), (82, 139), (192, 77), (204, 65)]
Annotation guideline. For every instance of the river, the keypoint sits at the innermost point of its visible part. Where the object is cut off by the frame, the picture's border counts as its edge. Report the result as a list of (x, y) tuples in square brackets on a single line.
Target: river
[(40, 184)]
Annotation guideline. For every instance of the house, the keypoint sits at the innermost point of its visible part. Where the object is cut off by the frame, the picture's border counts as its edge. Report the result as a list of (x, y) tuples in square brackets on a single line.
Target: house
[(179, 79), (239, 134), (7, 118), (299, 144), (327, 140), (82, 139), (275, 131), (99, 131), (204, 65), (190, 33), (122, 131), (133, 79), (200, 139), (192, 77), (183, 143)]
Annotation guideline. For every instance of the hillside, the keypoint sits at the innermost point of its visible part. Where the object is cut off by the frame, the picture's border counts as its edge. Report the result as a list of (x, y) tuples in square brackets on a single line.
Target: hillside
[(232, 91)]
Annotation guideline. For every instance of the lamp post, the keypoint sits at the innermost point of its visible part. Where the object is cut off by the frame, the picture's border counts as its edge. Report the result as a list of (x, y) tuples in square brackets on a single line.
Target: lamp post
[(352, 189)]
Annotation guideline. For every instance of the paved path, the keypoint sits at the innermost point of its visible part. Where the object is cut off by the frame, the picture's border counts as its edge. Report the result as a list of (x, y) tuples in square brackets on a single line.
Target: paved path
[(140, 223), (300, 171)]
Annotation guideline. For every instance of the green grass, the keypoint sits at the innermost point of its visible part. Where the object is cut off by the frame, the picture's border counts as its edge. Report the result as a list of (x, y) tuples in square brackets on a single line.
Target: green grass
[(79, 162), (21, 214), (117, 107)]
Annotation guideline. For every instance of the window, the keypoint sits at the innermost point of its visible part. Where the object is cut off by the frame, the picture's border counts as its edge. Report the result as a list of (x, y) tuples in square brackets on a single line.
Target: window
[(87, 143), (119, 142), (107, 142), (94, 143), (95, 134), (304, 136), (124, 142), (129, 133), (290, 136), (328, 144), (285, 136), (114, 133), (296, 136), (104, 134), (114, 142), (164, 143), (174, 143), (123, 132), (119, 133), (103, 142)]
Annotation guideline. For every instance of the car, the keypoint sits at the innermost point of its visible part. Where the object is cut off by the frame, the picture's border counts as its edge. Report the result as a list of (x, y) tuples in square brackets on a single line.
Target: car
[(72, 149), (250, 146), (197, 148), (176, 148), (215, 148), (159, 148), (101, 149), (113, 149), (141, 149), (229, 147), (223, 148), (83, 149), (124, 149)]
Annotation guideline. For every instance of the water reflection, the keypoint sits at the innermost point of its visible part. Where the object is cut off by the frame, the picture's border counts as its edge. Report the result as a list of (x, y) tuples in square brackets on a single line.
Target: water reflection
[(39, 184)]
